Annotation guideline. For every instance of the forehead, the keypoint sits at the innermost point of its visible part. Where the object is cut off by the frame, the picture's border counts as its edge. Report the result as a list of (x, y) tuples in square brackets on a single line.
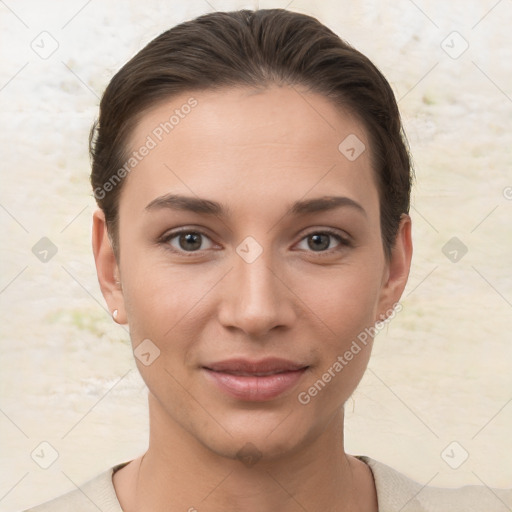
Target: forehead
[(248, 115), (279, 139)]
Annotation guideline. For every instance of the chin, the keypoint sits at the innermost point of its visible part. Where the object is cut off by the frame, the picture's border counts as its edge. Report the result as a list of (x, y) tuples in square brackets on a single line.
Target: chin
[(250, 449), (256, 436)]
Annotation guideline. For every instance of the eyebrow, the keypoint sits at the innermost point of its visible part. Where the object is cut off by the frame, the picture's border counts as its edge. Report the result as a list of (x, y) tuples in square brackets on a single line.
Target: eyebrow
[(208, 207)]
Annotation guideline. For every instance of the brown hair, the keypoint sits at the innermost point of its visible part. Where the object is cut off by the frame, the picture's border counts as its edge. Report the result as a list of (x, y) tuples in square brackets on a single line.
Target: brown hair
[(252, 48)]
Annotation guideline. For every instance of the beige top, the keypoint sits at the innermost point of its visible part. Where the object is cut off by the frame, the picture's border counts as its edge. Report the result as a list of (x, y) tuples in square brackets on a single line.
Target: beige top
[(395, 493)]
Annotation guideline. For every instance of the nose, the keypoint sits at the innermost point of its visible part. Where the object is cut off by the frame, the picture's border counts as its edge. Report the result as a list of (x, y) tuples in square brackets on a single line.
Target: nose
[(255, 298)]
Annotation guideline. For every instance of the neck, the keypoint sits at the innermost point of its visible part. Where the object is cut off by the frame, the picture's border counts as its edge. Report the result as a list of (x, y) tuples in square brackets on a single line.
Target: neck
[(178, 470)]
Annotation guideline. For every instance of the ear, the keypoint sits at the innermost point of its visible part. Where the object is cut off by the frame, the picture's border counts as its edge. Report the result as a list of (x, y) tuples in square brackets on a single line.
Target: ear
[(106, 267), (397, 269)]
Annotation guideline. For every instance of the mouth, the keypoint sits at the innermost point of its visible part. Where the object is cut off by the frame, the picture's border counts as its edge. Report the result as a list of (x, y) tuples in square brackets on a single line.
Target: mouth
[(256, 381)]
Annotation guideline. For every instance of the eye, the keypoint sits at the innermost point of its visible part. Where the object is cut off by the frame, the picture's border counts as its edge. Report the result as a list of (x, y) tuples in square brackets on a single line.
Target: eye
[(190, 241), (187, 241), (320, 241)]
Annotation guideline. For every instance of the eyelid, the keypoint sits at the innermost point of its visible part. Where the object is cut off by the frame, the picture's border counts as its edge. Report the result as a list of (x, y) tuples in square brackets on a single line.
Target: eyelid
[(170, 235), (344, 240)]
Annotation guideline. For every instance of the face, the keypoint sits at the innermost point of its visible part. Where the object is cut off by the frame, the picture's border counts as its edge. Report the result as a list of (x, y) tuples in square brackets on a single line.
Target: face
[(251, 259)]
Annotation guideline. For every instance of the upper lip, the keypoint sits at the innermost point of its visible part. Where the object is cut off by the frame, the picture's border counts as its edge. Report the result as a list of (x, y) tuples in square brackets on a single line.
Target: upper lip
[(264, 366)]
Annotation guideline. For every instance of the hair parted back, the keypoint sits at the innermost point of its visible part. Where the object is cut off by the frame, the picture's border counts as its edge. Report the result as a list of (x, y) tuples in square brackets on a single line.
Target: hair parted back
[(255, 49)]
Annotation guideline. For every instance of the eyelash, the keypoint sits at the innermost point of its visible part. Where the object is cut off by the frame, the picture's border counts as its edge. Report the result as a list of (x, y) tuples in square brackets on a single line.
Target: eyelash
[(166, 238)]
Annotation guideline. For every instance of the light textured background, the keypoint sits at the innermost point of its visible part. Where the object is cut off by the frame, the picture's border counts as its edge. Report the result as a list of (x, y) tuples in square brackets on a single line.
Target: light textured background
[(440, 373)]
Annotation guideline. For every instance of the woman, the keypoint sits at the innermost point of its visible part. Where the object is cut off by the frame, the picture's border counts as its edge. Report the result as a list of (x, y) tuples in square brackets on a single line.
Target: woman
[(253, 186)]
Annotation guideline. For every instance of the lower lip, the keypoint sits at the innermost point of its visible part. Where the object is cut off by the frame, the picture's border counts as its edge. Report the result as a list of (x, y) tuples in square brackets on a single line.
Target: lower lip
[(253, 388)]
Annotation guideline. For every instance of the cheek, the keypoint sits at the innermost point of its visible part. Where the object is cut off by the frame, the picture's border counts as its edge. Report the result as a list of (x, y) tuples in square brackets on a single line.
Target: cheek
[(159, 299), (343, 308), (343, 300), (161, 304)]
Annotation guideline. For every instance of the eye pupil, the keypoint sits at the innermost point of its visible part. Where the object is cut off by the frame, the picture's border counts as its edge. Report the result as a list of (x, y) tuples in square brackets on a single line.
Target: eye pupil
[(318, 242), (191, 241), (190, 238)]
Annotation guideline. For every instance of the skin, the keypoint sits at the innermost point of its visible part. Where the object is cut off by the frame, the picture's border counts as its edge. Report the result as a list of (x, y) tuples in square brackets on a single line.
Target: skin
[(255, 152)]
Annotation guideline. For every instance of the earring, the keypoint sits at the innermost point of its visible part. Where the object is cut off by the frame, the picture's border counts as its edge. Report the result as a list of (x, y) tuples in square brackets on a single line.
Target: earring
[(114, 314)]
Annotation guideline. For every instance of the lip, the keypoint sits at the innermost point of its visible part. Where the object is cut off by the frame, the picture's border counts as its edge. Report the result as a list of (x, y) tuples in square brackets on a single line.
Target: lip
[(255, 381)]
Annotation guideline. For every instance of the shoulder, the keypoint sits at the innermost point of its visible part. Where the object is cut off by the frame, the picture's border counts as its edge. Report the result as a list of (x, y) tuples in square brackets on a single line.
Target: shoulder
[(397, 492), (96, 494)]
